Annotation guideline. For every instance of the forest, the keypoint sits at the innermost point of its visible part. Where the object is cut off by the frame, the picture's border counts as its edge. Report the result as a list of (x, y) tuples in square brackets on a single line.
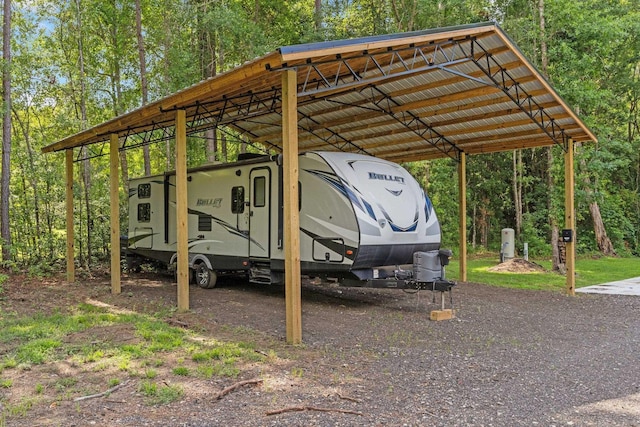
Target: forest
[(69, 65)]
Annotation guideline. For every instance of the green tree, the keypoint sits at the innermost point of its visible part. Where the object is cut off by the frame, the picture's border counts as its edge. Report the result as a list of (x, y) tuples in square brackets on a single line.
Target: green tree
[(5, 173)]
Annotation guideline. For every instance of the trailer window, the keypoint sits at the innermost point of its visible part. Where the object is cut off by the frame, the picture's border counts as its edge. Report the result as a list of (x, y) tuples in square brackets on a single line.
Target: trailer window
[(237, 200), (144, 212), (144, 191), (259, 191)]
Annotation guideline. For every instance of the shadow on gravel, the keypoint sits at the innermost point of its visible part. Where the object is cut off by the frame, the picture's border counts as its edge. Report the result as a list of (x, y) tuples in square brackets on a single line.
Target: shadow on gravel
[(327, 293)]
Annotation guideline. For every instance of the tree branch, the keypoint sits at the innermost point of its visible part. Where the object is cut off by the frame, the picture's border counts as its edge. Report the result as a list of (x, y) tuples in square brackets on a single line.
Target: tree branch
[(235, 386), (104, 393), (312, 408)]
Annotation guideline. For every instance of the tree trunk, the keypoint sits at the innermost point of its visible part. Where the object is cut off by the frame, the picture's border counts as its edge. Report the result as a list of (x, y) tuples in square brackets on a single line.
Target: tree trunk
[(166, 41), (399, 9), (544, 59), (143, 80), (473, 227), (602, 239), (517, 189), (5, 174), (24, 126), (483, 223), (553, 222), (86, 172), (211, 135), (86, 181), (318, 14), (223, 143), (223, 136)]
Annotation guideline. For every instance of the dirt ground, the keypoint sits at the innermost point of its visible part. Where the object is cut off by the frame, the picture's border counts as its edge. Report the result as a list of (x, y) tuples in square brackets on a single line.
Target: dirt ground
[(370, 357), (517, 265)]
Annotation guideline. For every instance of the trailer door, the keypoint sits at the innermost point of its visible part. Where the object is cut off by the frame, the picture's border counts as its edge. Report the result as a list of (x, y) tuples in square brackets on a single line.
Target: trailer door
[(260, 202)]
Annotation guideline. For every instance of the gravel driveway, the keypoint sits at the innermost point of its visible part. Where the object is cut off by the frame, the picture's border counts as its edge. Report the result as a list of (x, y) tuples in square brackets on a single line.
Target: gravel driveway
[(372, 358), (512, 357)]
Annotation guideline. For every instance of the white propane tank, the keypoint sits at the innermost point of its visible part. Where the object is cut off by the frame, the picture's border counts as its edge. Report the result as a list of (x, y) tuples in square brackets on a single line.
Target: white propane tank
[(508, 247)]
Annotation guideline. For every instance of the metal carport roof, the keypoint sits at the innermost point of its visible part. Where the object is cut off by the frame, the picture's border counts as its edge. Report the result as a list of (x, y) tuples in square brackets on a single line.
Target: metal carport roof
[(402, 97), (445, 92)]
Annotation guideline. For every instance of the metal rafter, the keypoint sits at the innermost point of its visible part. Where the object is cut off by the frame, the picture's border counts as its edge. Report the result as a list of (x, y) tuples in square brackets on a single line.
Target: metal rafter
[(322, 76), (92, 151), (502, 78), (202, 116), (353, 71), (396, 62), (334, 139), (412, 122)]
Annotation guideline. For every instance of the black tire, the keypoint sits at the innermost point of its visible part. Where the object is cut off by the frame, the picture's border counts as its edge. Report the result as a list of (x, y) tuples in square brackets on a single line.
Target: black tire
[(205, 277)]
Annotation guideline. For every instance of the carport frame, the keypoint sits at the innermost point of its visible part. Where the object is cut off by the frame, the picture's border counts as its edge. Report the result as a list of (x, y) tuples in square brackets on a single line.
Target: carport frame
[(199, 107)]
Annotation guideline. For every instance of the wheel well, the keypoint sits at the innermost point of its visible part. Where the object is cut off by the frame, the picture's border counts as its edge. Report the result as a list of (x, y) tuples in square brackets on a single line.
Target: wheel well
[(194, 260)]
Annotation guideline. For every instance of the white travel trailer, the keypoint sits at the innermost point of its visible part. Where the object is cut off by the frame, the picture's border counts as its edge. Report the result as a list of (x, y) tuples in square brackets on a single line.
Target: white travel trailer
[(361, 219)]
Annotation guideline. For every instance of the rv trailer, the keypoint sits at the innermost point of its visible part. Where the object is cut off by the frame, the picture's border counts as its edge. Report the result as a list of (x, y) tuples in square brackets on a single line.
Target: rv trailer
[(362, 219)]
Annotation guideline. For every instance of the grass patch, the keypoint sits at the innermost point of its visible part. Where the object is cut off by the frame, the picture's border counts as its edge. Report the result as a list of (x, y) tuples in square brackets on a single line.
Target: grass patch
[(39, 339), (3, 278), (65, 383), (160, 395), (19, 409), (91, 339), (217, 369), (182, 371), (216, 353), (589, 272), (150, 374)]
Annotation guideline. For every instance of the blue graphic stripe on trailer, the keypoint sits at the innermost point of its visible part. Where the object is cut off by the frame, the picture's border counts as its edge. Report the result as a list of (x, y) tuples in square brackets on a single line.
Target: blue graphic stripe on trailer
[(369, 210), (337, 184), (396, 227), (412, 227), (428, 207)]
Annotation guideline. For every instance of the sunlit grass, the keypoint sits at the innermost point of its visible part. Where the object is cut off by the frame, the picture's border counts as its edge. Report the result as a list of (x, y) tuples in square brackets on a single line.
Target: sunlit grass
[(150, 343), (589, 271), (160, 394)]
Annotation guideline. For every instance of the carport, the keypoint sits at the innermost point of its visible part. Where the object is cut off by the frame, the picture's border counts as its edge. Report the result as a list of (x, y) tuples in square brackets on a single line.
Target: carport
[(448, 92)]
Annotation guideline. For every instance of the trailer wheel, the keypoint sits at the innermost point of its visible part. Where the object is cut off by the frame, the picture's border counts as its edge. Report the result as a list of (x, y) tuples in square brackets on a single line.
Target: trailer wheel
[(205, 278)]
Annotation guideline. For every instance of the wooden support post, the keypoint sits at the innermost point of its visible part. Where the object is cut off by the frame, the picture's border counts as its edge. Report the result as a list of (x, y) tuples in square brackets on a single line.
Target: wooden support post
[(569, 217), (115, 213), (291, 214), (462, 214), (182, 244), (71, 267)]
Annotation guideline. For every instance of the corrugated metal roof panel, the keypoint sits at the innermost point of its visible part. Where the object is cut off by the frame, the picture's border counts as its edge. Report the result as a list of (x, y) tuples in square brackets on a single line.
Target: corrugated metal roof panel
[(403, 96)]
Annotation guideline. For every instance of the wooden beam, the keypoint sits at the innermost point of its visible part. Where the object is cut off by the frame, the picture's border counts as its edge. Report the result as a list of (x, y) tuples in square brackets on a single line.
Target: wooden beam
[(415, 149), (291, 214), (373, 134), (182, 215), (462, 215), (352, 119), (71, 268), (569, 218), (251, 75), (114, 192)]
